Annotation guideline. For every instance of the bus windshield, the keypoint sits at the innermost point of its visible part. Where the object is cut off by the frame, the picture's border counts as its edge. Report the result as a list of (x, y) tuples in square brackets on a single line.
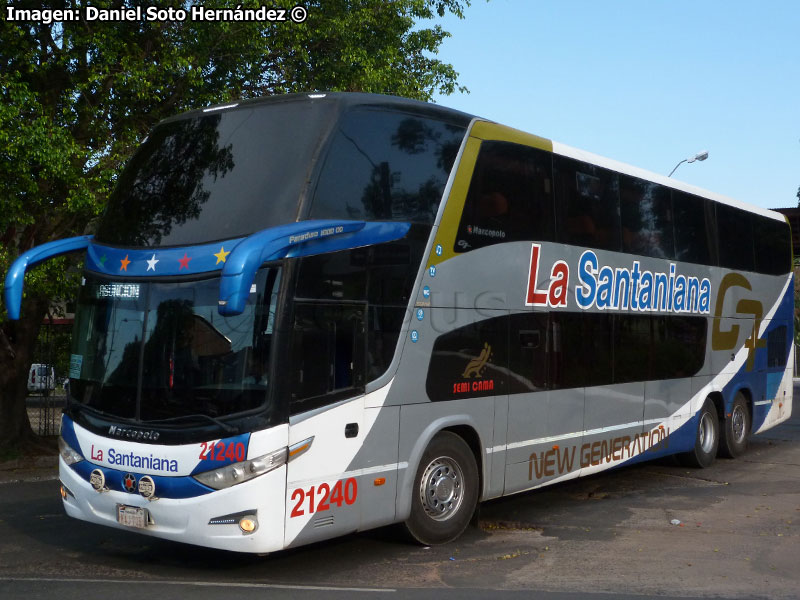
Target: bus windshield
[(157, 352), (216, 176)]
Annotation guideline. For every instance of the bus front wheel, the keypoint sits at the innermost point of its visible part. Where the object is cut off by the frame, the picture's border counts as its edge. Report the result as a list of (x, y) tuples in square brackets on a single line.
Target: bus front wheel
[(706, 438), (735, 429), (445, 491)]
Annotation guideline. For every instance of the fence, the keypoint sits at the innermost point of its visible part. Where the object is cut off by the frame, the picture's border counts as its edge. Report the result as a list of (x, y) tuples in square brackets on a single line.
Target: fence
[(44, 412)]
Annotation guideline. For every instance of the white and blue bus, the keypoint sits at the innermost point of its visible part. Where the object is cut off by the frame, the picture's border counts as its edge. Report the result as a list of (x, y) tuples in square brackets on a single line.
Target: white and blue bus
[(310, 315)]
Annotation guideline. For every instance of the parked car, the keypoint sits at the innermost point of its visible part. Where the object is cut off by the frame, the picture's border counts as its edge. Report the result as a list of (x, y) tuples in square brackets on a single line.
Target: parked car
[(40, 377)]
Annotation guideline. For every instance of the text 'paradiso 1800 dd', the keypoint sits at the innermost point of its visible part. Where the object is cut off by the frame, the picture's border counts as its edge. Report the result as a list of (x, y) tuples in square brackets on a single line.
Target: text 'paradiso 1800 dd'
[(314, 314)]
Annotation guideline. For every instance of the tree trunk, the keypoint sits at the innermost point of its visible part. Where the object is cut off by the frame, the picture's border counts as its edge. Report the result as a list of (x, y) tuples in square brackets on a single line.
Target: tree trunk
[(17, 343)]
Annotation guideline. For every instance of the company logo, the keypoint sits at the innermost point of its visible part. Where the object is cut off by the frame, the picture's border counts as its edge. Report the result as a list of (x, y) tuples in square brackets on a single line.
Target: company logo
[(129, 483), (618, 288), (133, 434), (727, 340)]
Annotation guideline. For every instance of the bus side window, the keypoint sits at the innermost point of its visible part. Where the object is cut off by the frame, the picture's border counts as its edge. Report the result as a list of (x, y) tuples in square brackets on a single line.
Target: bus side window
[(384, 165), (646, 212), (633, 348), (510, 197), (773, 244), (566, 367), (587, 198), (527, 360), (694, 228), (776, 348), (735, 228), (327, 355), (470, 361)]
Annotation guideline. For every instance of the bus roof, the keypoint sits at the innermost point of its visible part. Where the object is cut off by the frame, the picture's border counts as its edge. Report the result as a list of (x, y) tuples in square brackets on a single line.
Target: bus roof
[(343, 100)]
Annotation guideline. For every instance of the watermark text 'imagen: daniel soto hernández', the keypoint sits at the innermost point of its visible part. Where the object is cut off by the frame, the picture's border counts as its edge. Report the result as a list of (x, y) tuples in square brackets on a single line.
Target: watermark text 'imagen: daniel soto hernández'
[(196, 12)]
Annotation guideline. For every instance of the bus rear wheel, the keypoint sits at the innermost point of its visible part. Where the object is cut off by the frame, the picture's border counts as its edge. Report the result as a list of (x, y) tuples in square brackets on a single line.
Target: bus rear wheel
[(706, 438), (445, 491), (735, 429)]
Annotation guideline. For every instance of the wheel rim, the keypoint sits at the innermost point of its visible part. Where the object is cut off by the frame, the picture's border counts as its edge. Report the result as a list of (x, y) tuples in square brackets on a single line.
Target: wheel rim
[(738, 424), (706, 433), (441, 488)]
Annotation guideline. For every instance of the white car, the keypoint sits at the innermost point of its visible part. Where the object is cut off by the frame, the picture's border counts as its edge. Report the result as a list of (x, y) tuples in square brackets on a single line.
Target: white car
[(40, 377)]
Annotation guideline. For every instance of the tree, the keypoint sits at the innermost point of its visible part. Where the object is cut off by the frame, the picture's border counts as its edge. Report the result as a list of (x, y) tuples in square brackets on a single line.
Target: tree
[(76, 97)]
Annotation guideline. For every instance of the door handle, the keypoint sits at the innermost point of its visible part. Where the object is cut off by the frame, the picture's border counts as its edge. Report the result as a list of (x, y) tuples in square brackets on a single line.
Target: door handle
[(351, 430)]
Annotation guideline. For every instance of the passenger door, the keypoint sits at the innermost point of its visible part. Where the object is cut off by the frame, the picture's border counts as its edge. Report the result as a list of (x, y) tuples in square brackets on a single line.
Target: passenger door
[(326, 425)]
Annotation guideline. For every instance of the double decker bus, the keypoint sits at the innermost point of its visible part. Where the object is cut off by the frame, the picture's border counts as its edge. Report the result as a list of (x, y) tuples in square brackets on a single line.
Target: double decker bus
[(310, 315)]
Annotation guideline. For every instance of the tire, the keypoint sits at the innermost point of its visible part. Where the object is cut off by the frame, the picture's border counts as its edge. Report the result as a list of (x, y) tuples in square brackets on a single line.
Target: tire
[(735, 429), (706, 438), (445, 491)]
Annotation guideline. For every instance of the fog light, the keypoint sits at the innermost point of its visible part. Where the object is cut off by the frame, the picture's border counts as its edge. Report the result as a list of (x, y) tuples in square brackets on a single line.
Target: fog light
[(98, 480), (248, 524), (147, 487)]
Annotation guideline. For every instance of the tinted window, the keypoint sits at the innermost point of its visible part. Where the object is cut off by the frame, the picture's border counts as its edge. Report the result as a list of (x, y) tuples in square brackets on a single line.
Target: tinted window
[(327, 355), (381, 275), (679, 346), (773, 246), (646, 212), (587, 198), (566, 360), (632, 348), (735, 229), (213, 177), (333, 276), (386, 166), (693, 217), (776, 348), (527, 361), (469, 361), (510, 197)]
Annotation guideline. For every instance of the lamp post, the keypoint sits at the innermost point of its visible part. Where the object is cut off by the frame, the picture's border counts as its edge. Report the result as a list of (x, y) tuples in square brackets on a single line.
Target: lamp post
[(699, 156)]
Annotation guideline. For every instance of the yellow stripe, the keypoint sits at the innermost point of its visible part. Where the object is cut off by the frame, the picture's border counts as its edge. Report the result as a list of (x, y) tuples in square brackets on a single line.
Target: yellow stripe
[(492, 131), (481, 130)]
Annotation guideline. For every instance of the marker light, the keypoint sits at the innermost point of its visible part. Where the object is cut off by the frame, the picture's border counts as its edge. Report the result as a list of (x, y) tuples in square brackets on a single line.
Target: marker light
[(69, 455), (229, 475)]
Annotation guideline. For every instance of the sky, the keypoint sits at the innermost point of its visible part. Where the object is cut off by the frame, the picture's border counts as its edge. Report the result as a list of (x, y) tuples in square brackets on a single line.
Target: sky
[(645, 82)]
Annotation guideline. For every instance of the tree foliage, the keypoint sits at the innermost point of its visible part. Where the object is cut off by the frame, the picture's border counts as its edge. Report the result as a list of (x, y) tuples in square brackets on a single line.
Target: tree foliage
[(76, 97)]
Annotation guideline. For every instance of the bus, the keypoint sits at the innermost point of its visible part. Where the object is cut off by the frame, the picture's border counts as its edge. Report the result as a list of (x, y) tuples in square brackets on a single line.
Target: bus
[(310, 315)]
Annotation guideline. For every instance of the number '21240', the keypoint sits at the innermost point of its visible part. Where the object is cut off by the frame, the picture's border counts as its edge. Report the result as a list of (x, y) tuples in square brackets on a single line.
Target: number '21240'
[(321, 497)]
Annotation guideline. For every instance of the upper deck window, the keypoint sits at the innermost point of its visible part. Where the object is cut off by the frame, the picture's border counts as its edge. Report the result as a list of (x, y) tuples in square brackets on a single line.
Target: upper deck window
[(510, 197), (386, 166), (216, 176)]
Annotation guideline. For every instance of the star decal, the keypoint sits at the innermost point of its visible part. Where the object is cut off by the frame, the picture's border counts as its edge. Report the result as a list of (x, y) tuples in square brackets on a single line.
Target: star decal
[(184, 262), (124, 264), (151, 264), (221, 255), (103, 260)]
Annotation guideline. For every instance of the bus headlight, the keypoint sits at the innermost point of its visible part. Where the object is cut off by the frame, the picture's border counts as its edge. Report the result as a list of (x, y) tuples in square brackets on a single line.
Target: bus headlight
[(66, 451), (240, 472)]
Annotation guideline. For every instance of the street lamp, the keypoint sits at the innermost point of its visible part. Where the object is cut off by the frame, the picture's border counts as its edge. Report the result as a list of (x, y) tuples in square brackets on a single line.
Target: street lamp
[(699, 156)]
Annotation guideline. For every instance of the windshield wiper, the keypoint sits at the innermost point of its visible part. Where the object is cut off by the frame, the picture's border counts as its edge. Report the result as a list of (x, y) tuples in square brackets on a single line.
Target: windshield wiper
[(224, 426)]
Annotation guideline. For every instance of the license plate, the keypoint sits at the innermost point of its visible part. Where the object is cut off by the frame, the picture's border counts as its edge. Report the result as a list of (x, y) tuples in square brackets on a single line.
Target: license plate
[(132, 516)]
